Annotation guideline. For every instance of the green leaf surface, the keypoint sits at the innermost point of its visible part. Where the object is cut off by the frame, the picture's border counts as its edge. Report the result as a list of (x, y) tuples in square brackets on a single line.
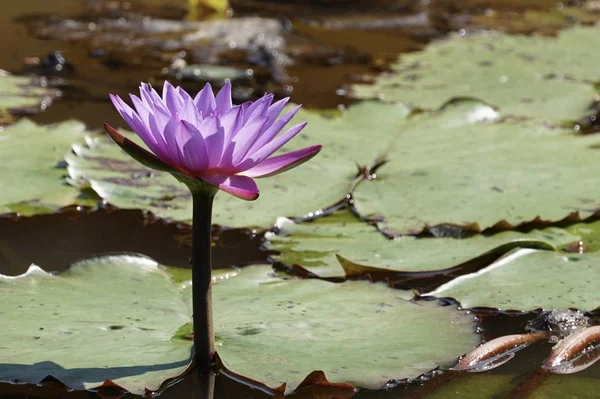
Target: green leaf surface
[(549, 79), (279, 330), (319, 183), (19, 92), (455, 167), (109, 317), (314, 246), (529, 279), (32, 174)]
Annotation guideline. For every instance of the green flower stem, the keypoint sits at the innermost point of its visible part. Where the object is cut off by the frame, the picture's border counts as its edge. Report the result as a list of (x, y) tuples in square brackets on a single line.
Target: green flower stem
[(204, 339)]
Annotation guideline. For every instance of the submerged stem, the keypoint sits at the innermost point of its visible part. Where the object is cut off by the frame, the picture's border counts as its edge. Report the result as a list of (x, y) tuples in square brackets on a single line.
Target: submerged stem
[(204, 340)]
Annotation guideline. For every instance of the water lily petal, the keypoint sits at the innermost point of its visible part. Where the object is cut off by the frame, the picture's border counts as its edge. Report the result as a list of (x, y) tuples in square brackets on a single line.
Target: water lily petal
[(174, 152), (232, 122), (133, 120), (245, 138), (172, 99), (277, 143), (205, 100), (275, 109), (195, 151), (151, 98), (184, 95), (258, 108), (213, 134), (239, 186), (189, 112), (273, 130), (281, 163), (223, 99)]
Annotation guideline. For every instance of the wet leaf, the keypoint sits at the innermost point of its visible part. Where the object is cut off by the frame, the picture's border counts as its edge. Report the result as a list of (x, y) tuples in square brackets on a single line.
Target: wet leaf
[(32, 173), (108, 317), (550, 79), (459, 167), (19, 93), (278, 330), (529, 279), (314, 246), (319, 183)]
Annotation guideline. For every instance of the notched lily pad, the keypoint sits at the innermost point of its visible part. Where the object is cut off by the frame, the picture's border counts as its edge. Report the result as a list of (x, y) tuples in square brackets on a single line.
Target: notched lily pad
[(530, 279), (464, 166), (532, 77), (314, 246), (31, 158), (74, 326), (277, 330)]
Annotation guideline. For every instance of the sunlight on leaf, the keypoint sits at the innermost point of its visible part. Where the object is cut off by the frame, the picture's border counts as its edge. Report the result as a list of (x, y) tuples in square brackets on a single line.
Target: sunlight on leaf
[(109, 317), (528, 279)]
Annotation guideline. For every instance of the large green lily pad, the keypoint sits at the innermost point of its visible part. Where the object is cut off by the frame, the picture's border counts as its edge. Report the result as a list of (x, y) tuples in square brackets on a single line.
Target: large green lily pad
[(109, 317), (319, 183), (314, 246), (22, 93), (118, 317), (529, 279), (454, 168), (279, 330), (31, 159), (551, 79)]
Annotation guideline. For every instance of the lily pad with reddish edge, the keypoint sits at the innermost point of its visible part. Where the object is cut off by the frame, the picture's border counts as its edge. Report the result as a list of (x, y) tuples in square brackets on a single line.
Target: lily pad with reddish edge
[(279, 330), (314, 246)]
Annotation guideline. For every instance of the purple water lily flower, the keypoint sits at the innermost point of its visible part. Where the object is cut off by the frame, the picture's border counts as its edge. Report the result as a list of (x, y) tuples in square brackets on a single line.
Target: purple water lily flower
[(210, 139)]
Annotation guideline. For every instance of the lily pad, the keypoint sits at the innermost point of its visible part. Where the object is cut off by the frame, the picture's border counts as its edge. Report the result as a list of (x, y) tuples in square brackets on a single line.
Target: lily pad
[(459, 167), (108, 317), (31, 158), (22, 93), (314, 246), (278, 330), (533, 77), (530, 279), (319, 183)]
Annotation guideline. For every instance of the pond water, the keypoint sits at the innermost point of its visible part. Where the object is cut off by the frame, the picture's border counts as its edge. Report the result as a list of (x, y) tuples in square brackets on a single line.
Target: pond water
[(333, 46)]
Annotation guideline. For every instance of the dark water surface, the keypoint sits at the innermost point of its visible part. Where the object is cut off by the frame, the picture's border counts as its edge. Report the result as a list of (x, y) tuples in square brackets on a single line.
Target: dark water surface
[(334, 46)]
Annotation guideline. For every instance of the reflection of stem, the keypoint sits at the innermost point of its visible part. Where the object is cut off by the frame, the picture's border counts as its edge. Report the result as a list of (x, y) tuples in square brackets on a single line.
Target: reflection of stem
[(529, 384), (204, 341), (204, 385)]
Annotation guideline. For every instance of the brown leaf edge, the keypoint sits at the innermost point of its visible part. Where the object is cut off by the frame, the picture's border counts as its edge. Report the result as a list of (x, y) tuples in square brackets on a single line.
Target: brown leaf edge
[(316, 378), (460, 230), (428, 280)]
